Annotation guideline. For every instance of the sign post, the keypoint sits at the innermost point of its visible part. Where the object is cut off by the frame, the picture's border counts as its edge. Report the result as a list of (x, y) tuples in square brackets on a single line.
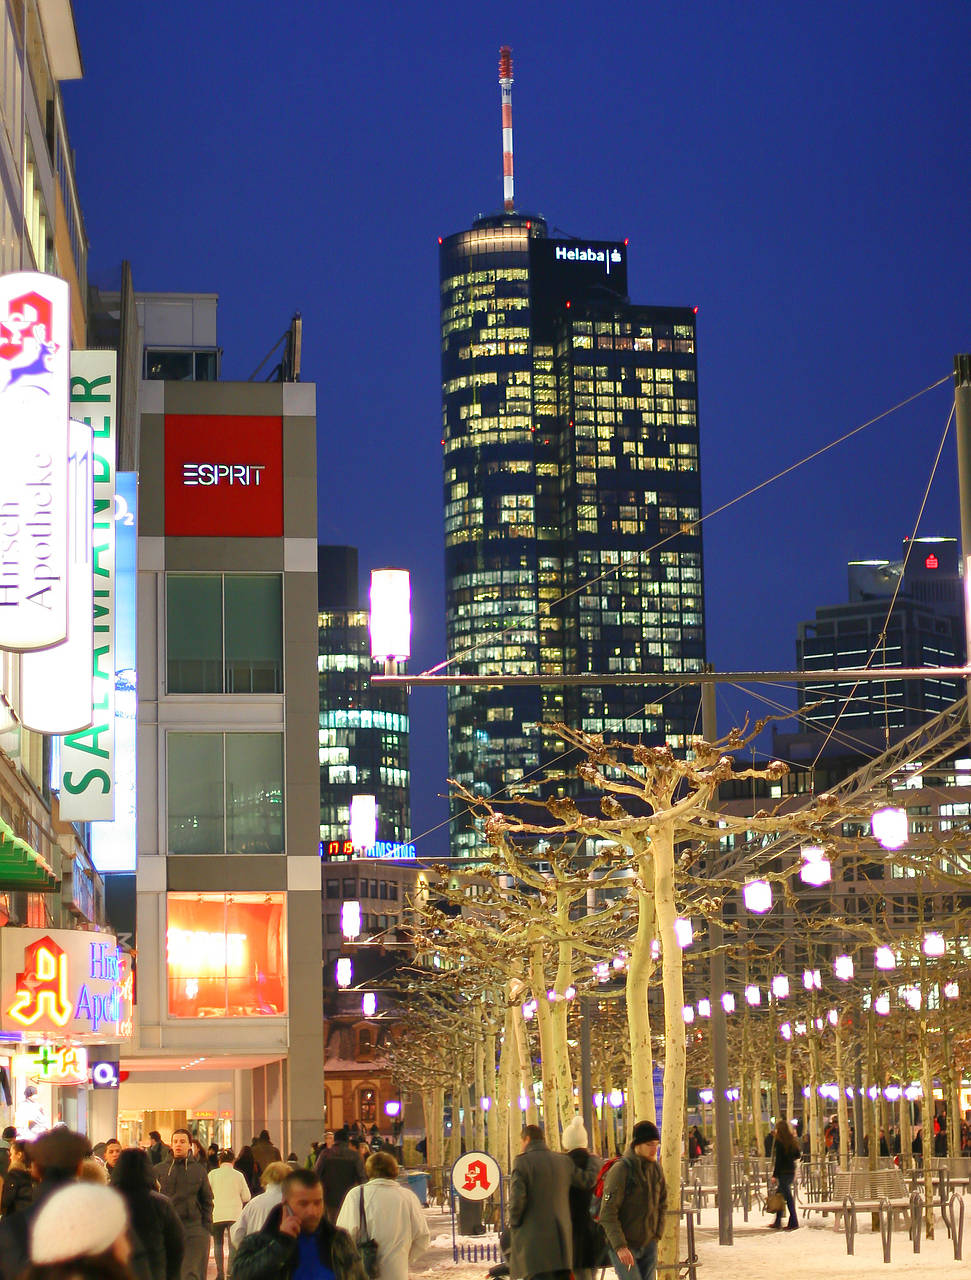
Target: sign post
[(475, 1176)]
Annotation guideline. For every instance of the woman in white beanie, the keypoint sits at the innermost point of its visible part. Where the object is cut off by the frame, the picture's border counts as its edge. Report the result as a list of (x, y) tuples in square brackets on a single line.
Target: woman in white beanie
[(589, 1246), (80, 1233)]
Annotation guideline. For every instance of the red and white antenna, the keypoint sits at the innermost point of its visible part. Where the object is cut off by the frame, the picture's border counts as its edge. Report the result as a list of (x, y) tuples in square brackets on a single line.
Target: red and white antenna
[(505, 85)]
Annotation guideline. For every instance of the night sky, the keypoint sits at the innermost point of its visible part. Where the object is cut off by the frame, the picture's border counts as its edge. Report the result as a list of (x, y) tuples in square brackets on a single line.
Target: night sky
[(797, 171)]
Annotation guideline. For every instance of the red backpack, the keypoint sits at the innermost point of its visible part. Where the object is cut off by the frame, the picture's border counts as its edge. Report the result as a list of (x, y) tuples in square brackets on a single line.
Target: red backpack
[(598, 1191)]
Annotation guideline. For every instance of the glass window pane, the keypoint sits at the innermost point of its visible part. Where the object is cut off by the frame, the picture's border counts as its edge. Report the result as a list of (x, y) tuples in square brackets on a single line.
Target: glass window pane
[(194, 620), (254, 793), (254, 633), (226, 955), (195, 792)]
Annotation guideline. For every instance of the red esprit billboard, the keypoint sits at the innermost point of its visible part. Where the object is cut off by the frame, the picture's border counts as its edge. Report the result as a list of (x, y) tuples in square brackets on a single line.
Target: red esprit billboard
[(223, 476)]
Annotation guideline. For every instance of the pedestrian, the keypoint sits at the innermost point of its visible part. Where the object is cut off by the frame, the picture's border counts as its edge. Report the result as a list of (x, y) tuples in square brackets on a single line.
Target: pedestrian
[(212, 1157), (264, 1151), (258, 1210), (80, 1233), (111, 1153), (185, 1182), (230, 1193), (339, 1169), (158, 1152), (199, 1153), (18, 1185), (634, 1204), (247, 1167), (31, 1117), (93, 1170), (56, 1159), (589, 1246), (389, 1213), (541, 1234), (785, 1153), (158, 1241), (940, 1136), (7, 1137), (298, 1240)]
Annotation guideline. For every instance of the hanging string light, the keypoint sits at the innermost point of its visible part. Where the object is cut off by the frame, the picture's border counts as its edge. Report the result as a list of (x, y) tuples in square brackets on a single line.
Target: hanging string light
[(757, 895), (780, 986), (753, 995), (889, 826), (843, 968)]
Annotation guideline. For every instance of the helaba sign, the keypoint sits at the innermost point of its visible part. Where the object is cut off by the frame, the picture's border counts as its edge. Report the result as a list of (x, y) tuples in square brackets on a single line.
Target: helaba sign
[(64, 982), (606, 257), (35, 343), (223, 476)]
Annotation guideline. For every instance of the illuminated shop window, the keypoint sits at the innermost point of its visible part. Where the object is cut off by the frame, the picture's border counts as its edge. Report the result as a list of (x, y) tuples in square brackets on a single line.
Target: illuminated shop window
[(226, 955)]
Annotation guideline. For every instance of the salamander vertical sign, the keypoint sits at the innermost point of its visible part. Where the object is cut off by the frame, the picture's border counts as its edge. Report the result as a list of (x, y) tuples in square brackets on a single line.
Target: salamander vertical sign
[(88, 757)]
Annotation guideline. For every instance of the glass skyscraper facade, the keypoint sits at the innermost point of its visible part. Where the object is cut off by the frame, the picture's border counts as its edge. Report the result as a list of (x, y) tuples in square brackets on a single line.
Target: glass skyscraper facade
[(362, 730), (572, 495)]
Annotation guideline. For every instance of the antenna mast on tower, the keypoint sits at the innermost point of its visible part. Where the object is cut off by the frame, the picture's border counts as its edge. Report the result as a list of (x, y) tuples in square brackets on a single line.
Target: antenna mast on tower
[(505, 84)]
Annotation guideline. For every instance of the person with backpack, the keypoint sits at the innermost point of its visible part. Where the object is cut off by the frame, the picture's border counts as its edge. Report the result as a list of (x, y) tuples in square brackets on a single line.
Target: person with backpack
[(539, 1210), (633, 1205), (589, 1246)]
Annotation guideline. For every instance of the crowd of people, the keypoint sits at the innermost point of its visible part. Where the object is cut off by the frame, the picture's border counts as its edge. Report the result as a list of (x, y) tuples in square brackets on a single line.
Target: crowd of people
[(70, 1211)]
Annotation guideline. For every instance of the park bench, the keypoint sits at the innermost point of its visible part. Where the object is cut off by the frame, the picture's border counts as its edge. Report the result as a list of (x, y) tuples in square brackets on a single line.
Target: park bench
[(866, 1189)]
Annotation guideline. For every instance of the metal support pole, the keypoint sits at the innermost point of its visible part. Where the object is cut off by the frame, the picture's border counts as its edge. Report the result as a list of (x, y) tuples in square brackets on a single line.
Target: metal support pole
[(962, 420), (719, 1029)]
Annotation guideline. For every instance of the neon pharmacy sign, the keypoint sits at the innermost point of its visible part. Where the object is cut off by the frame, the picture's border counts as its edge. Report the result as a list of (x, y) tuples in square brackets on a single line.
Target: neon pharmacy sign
[(43, 990)]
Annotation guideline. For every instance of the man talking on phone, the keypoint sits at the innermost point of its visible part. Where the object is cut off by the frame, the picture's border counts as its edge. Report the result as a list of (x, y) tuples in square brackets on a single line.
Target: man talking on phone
[(297, 1242)]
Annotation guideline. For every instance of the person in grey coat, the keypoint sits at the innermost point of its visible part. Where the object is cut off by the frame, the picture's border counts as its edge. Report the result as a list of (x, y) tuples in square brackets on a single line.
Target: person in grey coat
[(539, 1210)]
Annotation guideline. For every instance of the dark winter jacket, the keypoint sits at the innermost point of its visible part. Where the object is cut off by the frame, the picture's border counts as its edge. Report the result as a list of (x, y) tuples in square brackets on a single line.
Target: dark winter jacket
[(339, 1168), (784, 1161), (539, 1210), (18, 1191), (271, 1254), (589, 1245), (186, 1183), (15, 1229), (634, 1202), (158, 1240)]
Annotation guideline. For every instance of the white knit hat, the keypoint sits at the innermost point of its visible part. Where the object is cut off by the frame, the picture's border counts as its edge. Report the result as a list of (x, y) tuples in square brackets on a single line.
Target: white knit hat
[(575, 1135), (79, 1221)]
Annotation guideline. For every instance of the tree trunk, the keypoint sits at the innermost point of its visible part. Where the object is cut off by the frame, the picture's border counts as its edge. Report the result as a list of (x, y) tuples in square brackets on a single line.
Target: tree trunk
[(674, 1034), (560, 1018), (544, 1022), (842, 1111), (479, 1087), (639, 971), (790, 1086), (524, 1057), (498, 1118)]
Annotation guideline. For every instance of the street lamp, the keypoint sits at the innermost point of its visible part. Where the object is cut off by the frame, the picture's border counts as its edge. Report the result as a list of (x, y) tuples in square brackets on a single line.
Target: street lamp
[(364, 821), (345, 971), (390, 617), (889, 826), (757, 895)]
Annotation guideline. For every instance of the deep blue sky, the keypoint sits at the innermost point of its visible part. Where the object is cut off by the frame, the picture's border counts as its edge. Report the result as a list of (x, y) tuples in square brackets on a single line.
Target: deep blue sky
[(798, 171)]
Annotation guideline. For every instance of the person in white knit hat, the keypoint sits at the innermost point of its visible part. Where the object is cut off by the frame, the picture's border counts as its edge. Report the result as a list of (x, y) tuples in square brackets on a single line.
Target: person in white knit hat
[(81, 1232), (589, 1245)]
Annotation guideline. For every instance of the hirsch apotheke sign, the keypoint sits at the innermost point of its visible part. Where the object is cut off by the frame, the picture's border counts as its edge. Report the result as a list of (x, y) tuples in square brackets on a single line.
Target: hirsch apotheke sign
[(223, 476)]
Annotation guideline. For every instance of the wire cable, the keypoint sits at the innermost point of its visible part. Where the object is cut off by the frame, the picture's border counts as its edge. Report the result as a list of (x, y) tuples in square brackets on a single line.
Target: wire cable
[(632, 557)]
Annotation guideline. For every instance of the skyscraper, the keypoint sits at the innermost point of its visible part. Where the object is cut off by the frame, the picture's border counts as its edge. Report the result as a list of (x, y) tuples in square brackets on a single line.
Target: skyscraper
[(572, 492), (363, 728)]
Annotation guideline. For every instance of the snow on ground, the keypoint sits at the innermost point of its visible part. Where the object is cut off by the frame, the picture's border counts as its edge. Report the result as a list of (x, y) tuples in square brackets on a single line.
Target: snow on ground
[(759, 1254)]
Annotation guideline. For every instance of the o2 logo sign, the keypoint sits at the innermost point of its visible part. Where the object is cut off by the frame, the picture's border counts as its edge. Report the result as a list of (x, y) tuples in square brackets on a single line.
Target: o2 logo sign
[(104, 1075)]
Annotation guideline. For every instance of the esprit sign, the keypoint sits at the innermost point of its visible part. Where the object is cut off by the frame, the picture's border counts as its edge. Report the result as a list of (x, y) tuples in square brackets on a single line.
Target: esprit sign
[(35, 342), (62, 982), (223, 476)]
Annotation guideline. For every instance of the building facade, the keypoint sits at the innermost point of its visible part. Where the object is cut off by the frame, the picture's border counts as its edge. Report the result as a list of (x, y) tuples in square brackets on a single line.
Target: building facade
[(925, 628), (229, 1018), (572, 501), (363, 729)]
